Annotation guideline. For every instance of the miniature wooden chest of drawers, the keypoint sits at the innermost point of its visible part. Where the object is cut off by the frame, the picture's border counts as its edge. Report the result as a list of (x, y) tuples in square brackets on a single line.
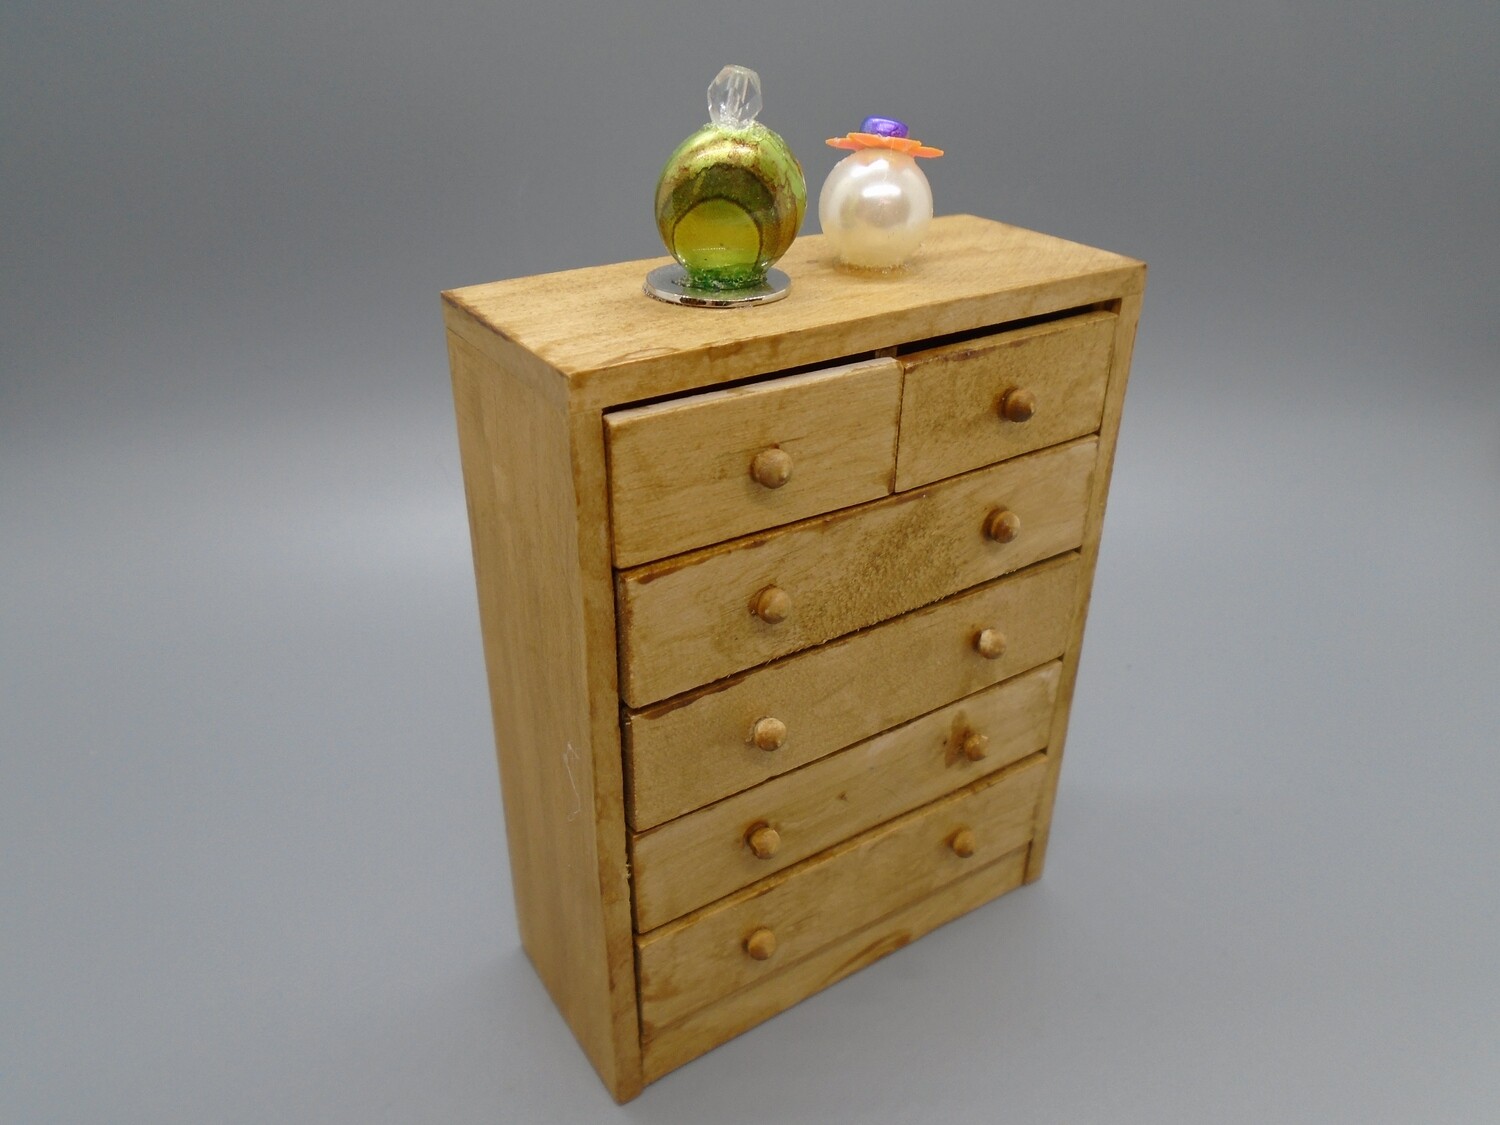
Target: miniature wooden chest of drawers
[(782, 610)]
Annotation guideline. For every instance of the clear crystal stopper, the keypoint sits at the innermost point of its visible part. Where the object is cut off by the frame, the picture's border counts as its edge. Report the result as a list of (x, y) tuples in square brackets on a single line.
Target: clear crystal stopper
[(734, 97)]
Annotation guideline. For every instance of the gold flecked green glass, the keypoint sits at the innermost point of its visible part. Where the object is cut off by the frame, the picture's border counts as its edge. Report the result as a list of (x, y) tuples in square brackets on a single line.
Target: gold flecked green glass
[(729, 203)]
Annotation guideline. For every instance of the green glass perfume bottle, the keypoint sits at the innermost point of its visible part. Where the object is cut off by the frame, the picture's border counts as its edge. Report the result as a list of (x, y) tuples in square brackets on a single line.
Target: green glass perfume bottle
[(729, 203)]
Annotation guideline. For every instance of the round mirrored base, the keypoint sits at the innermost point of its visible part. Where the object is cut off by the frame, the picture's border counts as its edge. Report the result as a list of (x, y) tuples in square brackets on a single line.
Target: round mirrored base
[(669, 283)]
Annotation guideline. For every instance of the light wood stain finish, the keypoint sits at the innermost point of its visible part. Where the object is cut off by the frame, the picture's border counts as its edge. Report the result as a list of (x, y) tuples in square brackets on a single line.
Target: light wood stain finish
[(1002, 525), (1018, 404), (771, 468), (542, 564), (762, 841), (667, 1048), (761, 944), (702, 856), (699, 958), (683, 622), (725, 558), (597, 343), (981, 401), (990, 644), (768, 734), (692, 750), (1125, 327), (694, 471), (975, 746)]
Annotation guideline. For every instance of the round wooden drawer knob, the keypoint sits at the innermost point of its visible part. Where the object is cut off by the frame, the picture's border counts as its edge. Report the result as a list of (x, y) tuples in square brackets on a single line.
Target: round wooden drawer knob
[(763, 841), (962, 843), (1002, 525), (772, 604), (772, 467), (761, 944), (768, 734), (1017, 405), (975, 745), (990, 644)]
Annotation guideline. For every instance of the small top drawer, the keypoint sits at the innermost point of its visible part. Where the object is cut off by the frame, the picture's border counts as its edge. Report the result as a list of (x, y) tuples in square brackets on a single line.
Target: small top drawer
[(693, 471), (973, 403)]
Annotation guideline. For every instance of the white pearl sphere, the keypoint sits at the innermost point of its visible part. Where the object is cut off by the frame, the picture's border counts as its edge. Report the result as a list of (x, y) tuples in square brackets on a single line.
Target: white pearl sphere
[(874, 208)]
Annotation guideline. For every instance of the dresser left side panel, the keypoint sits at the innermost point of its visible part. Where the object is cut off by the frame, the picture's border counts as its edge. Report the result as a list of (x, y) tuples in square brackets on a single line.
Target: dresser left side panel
[(534, 481)]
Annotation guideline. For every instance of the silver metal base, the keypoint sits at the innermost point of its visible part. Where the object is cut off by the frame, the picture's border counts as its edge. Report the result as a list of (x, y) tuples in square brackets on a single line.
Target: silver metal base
[(669, 283)]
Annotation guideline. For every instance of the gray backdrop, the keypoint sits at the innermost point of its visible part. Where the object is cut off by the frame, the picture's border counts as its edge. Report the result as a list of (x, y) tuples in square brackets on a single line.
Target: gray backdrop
[(251, 853)]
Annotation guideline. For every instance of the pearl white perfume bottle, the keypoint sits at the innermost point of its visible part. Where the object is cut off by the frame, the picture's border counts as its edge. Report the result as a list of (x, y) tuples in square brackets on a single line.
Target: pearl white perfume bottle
[(876, 204)]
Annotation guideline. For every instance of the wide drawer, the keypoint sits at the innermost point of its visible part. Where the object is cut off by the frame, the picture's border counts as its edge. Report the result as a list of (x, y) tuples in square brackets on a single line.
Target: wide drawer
[(690, 751), (751, 935), (706, 854), (982, 401), (693, 471), (664, 1048), (699, 617)]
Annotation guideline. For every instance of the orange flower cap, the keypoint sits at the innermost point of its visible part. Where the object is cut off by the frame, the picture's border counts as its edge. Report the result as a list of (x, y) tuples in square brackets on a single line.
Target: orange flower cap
[(908, 145), (884, 132)]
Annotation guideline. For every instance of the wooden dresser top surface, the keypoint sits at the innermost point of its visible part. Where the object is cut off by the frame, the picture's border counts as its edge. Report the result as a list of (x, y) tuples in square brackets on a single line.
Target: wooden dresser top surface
[(605, 342)]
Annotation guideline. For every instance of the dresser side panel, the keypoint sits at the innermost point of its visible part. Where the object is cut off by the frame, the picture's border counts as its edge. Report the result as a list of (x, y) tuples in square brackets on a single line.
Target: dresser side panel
[(1109, 431), (535, 518)]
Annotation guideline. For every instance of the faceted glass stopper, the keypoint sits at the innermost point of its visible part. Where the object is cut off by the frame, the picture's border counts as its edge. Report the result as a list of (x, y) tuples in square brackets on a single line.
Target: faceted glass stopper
[(734, 97)]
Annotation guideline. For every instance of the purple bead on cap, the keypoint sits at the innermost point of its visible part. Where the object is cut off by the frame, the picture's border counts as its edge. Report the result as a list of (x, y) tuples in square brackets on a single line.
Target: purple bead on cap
[(884, 127)]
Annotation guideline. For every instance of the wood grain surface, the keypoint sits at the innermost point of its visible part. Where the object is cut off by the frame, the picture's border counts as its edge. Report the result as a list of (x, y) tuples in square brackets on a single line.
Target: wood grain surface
[(703, 855), (1114, 403), (680, 471), (667, 1048), (951, 420), (607, 343), (542, 564), (689, 620), (701, 957), (766, 585), (696, 749)]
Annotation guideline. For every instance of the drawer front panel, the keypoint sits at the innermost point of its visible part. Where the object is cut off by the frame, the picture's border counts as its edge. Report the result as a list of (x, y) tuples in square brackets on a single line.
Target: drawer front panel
[(707, 854), (713, 952), (694, 471), (952, 418), (706, 615), (688, 753), (667, 1047)]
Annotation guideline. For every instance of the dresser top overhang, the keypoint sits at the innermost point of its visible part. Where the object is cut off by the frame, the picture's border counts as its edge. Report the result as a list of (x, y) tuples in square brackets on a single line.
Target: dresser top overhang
[(590, 339)]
